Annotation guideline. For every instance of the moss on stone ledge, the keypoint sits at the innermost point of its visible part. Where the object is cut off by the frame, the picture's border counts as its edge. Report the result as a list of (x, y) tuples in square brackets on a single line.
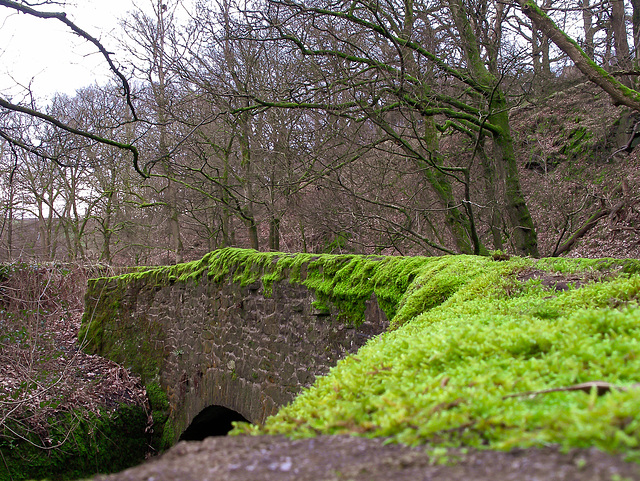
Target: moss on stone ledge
[(472, 337), (343, 281)]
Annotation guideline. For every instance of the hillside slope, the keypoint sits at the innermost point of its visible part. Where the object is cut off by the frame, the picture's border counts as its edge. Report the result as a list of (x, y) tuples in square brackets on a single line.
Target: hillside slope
[(574, 163)]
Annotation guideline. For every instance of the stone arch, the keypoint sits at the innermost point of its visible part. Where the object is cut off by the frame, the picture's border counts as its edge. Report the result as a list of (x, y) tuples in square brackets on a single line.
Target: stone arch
[(209, 342), (214, 420)]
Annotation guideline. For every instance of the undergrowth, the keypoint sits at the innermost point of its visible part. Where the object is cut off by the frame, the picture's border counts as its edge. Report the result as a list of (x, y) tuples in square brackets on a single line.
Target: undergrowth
[(63, 414)]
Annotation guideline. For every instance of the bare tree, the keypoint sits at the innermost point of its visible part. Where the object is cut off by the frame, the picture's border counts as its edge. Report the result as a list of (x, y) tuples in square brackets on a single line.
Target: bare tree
[(359, 58), (150, 35)]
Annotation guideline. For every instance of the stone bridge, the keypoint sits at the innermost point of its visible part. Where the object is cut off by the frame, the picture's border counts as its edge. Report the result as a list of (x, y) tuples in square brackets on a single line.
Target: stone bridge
[(233, 336)]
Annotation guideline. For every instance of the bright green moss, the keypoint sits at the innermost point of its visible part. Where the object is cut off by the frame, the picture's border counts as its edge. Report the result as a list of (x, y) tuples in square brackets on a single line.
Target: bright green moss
[(344, 282), (445, 374)]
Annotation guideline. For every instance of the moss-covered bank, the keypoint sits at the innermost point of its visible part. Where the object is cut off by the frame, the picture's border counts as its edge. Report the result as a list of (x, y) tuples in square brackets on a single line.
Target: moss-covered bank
[(79, 444)]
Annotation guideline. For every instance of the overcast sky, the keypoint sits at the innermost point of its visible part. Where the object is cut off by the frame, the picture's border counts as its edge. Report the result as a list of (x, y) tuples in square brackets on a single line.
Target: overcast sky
[(46, 54)]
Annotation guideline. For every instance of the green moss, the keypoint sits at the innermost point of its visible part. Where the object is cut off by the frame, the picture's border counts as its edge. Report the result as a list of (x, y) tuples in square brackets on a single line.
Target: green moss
[(162, 437), (157, 397), (446, 374), (467, 335), (89, 444), (168, 438), (578, 144), (342, 282), (100, 331), (437, 282), (102, 303)]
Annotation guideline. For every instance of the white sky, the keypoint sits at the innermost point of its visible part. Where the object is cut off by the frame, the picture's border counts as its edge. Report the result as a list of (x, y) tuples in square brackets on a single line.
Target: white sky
[(47, 55)]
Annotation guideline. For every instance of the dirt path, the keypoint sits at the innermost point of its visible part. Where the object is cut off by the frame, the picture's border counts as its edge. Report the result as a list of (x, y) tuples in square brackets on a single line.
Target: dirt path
[(326, 458)]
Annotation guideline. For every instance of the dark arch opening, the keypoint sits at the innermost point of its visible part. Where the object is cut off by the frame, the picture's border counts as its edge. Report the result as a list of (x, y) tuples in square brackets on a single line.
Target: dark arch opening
[(211, 421)]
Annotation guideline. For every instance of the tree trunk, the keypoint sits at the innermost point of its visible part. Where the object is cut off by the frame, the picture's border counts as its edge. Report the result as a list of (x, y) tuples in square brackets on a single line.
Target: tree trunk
[(11, 210), (619, 93), (490, 177), (274, 234), (248, 213), (160, 92), (524, 234), (619, 27), (458, 226), (635, 20), (105, 254), (589, 30)]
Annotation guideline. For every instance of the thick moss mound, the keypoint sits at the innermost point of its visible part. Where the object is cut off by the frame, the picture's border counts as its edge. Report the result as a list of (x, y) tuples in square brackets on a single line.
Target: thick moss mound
[(88, 445), (471, 337)]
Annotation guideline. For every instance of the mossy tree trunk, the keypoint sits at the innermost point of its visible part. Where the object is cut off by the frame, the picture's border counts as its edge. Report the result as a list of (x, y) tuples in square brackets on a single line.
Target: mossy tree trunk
[(524, 237), (523, 233), (619, 93), (430, 163), (490, 179)]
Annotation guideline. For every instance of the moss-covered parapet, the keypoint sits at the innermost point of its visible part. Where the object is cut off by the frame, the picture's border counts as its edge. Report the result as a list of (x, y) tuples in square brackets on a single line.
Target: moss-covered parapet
[(343, 281), (501, 363), (481, 352), (247, 330)]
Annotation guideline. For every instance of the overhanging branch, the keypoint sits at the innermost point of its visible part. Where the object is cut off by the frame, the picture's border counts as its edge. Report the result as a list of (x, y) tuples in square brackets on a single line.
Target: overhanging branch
[(72, 130), (62, 17), (619, 93)]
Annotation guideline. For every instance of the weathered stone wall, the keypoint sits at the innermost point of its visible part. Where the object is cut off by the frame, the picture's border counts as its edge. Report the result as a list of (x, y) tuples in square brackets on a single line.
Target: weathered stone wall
[(209, 343)]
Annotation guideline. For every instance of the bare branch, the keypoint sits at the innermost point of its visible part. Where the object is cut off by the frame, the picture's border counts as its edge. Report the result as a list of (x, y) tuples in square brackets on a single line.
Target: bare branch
[(61, 16), (52, 120)]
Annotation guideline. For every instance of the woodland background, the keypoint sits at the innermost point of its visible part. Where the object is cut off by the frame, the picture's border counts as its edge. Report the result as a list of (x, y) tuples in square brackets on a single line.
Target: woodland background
[(390, 127)]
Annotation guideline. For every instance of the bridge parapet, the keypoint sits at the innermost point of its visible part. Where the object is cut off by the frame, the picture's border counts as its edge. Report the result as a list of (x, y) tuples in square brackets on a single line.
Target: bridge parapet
[(248, 338)]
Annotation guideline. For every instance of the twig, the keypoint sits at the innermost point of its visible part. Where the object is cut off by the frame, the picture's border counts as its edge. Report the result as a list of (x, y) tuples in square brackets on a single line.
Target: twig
[(602, 387)]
